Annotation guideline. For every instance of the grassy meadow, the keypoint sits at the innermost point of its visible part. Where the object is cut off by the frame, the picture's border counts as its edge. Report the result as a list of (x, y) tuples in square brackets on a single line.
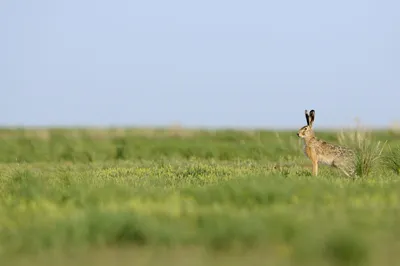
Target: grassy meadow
[(191, 197)]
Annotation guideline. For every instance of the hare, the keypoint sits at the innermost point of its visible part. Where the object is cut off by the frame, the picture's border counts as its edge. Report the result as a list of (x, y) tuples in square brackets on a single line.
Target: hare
[(319, 151)]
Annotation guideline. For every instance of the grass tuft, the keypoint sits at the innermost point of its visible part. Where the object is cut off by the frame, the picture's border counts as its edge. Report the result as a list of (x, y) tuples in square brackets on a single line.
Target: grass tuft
[(392, 159), (367, 151)]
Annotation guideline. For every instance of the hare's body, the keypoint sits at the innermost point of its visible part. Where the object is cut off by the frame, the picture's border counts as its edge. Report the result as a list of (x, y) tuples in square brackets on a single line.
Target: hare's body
[(319, 151)]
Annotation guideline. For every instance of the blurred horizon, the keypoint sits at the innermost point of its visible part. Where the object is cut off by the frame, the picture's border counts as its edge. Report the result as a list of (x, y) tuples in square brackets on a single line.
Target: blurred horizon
[(225, 64), (177, 126)]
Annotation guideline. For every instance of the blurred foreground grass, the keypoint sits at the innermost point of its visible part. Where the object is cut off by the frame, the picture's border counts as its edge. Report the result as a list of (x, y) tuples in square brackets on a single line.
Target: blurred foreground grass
[(181, 197)]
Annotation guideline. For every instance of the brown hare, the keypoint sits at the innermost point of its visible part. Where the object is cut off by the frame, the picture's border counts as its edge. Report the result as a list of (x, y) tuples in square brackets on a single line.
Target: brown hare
[(319, 151)]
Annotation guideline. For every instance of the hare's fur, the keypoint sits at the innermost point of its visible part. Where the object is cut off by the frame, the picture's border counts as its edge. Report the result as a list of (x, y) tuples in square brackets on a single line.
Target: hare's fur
[(319, 151)]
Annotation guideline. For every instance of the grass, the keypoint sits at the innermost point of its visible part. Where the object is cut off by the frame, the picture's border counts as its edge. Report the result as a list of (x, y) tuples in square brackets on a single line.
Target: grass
[(187, 197)]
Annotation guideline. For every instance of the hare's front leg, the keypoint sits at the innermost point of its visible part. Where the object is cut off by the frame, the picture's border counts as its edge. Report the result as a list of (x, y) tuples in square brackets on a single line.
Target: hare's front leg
[(314, 160), (315, 168)]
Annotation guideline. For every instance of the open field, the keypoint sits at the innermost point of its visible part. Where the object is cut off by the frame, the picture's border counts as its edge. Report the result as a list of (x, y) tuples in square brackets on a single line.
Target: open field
[(188, 197)]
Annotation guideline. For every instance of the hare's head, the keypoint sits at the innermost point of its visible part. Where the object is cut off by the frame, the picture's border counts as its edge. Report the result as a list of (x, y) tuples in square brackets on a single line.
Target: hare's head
[(307, 130)]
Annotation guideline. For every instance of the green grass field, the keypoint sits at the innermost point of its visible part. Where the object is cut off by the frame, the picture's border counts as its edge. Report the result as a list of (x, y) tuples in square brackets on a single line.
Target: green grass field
[(189, 197)]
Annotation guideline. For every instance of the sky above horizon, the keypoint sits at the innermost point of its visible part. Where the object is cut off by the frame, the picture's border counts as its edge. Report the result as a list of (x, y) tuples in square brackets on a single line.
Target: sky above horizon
[(199, 63)]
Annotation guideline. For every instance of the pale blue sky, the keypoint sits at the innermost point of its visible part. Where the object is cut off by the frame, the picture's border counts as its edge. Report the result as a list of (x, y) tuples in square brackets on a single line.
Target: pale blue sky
[(199, 63)]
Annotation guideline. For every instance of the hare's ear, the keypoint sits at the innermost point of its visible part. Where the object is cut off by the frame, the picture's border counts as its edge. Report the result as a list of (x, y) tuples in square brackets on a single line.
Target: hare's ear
[(312, 117), (307, 118)]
